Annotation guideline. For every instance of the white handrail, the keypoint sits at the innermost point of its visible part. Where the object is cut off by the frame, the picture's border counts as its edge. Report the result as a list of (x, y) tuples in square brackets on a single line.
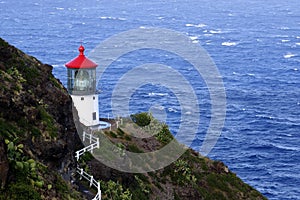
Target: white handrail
[(94, 143)]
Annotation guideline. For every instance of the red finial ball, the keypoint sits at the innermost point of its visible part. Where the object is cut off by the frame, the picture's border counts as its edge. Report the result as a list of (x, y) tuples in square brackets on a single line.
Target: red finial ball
[(81, 49)]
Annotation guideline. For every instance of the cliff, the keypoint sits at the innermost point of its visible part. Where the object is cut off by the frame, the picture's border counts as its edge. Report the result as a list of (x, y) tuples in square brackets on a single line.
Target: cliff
[(38, 139), (37, 133)]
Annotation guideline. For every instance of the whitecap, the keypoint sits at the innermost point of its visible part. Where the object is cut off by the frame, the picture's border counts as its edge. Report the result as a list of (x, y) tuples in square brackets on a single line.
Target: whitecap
[(196, 25), (172, 110), (264, 116), (194, 37), (157, 94), (285, 40), (215, 32), (289, 55), (189, 25), (200, 25), (284, 28), (113, 18), (229, 44), (59, 8), (298, 43)]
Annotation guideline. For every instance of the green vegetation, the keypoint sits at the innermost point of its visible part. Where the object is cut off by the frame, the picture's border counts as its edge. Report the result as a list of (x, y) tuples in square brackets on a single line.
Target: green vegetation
[(141, 119), (22, 165), (114, 190), (183, 173), (164, 135)]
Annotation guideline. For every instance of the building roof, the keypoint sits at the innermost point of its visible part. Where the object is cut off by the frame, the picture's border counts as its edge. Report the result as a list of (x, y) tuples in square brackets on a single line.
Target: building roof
[(81, 61)]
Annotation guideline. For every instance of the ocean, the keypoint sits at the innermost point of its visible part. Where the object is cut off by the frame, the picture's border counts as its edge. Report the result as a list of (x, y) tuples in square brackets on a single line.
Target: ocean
[(255, 45)]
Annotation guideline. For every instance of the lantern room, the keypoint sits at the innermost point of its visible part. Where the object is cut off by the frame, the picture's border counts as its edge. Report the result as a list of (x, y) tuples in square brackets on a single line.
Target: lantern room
[(81, 75)]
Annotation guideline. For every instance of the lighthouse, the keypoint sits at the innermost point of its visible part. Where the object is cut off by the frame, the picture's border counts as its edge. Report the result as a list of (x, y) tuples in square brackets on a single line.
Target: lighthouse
[(82, 88)]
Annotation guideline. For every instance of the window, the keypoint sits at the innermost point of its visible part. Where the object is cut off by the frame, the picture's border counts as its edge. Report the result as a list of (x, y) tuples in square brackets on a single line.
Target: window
[(94, 115), (93, 97), (82, 98)]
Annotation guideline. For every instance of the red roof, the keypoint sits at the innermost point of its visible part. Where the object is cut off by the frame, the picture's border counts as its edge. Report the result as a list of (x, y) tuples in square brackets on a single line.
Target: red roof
[(81, 61)]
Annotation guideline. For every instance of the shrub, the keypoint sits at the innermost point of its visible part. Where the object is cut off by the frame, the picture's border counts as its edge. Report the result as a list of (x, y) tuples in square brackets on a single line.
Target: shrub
[(141, 119), (114, 190), (164, 135)]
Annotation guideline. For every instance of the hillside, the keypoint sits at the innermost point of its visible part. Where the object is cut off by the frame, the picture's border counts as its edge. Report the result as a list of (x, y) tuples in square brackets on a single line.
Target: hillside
[(38, 139), (37, 134)]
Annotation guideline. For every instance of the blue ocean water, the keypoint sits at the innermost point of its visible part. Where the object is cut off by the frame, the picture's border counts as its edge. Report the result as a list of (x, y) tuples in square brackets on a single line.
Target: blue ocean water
[(255, 45)]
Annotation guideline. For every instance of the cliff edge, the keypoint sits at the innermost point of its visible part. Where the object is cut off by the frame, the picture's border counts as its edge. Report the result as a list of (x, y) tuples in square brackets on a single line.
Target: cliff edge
[(38, 140)]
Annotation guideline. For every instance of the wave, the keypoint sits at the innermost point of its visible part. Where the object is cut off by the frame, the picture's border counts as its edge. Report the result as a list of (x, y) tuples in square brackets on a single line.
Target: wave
[(172, 110), (229, 44), (194, 39), (112, 18), (215, 32), (284, 28), (273, 147), (157, 94), (289, 55), (196, 25)]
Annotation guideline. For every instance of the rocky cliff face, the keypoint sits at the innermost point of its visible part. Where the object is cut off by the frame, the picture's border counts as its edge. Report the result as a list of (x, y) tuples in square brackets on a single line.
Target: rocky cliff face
[(38, 139), (36, 114)]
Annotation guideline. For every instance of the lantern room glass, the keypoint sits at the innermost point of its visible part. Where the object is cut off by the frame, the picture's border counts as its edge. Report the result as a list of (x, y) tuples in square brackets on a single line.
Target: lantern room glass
[(82, 81)]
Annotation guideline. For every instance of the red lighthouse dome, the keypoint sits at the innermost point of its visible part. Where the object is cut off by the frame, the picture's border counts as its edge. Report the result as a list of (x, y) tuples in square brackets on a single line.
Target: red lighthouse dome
[(81, 61)]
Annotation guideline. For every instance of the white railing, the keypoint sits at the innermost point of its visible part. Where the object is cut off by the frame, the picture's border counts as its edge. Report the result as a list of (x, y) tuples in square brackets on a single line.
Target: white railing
[(94, 143), (93, 182)]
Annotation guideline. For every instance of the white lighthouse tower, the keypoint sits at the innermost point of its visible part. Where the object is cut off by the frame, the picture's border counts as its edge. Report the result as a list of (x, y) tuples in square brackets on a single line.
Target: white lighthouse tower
[(82, 88)]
